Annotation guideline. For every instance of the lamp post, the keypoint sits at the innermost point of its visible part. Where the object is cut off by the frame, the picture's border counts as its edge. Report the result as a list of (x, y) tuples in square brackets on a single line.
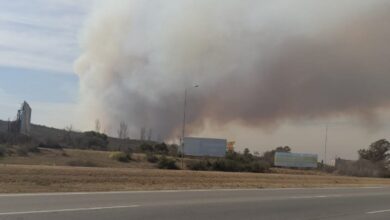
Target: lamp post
[(326, 142), (184, 125)]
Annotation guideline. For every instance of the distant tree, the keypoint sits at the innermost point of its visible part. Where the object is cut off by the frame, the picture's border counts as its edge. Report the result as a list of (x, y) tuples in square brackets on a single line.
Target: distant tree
[(247, 156), (69, 128), (270, 155), (283, 149), (97, 126), (122, 131), (94, 140), (68, 139), (246, 152), (377, 152)]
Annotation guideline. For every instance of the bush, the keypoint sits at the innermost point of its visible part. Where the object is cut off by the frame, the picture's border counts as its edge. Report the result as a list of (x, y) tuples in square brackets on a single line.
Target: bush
[(259, 167), (166, 163), (200, 165), (81, 163), (151, 158), (145, 147), (161, 148), (230, 165), (3, 151), (227, 165), (22, 151), (50, 143), (14, 139), (173, 150), (120, 156), (33, 149), (93, 140), (25, 150), (362, 168)]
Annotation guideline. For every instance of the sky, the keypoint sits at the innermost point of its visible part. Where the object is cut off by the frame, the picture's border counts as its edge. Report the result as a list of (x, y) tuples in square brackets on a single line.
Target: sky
[(39, 43)]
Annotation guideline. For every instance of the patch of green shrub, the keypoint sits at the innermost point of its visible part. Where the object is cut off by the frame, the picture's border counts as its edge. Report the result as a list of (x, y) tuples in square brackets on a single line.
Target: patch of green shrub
[(167, 163), (120, 156)]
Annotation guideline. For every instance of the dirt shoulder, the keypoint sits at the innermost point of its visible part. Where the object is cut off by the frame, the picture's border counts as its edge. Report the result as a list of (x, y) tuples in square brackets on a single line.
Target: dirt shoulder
[(38, 178)]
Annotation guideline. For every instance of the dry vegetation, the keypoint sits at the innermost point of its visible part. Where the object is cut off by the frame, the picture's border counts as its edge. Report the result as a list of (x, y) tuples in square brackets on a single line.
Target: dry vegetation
[(69, 170), (39, 178), (68, 157)]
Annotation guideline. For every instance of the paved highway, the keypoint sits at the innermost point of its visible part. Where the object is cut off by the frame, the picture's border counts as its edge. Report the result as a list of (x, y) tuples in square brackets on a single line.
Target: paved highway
[(300, 204)]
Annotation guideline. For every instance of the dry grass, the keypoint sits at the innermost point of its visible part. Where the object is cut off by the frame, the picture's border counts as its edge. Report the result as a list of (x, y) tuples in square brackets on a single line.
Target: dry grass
[(65, 157), (22, 178), (47, 171)]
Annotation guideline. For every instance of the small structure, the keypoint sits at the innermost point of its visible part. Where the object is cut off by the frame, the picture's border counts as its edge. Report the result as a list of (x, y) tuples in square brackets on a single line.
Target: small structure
[(295, 160), (22, 124), (209, 147)]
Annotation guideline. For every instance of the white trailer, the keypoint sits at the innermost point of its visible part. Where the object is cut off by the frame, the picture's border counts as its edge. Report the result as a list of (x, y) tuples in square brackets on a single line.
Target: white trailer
[(209, 147)]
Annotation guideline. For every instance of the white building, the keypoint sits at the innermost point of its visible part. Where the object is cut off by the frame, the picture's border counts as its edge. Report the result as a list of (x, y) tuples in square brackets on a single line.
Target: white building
[(209, 147)]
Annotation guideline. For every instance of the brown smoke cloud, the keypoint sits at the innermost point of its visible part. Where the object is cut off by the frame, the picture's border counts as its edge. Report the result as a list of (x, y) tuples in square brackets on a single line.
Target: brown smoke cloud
[(258, 62)]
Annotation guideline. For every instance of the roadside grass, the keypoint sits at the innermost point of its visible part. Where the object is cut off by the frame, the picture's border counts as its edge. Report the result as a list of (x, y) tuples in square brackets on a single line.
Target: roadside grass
[(27, 178)]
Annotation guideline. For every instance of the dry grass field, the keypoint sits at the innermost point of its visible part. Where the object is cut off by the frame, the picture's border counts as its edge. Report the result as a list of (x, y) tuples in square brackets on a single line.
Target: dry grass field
[(40, 178), (67, 157), (61, 171)]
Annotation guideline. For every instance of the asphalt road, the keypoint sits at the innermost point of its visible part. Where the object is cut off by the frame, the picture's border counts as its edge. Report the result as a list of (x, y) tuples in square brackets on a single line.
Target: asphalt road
[(330, 203)]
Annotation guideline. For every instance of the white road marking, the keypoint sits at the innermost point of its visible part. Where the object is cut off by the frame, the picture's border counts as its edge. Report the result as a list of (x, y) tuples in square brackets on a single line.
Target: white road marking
[(315, 197), (66, 210), (377, 212), (175, 191)]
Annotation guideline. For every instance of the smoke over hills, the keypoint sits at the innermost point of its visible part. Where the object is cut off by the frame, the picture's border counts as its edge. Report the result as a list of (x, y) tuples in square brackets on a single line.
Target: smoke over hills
[(258, 62)]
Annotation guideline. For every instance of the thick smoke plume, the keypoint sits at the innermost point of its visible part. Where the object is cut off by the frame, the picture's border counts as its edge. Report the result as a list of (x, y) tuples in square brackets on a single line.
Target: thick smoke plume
[(258, 62)]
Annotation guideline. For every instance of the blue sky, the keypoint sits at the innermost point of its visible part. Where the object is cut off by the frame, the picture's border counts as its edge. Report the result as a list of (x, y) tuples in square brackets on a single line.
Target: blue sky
[(38, 45)]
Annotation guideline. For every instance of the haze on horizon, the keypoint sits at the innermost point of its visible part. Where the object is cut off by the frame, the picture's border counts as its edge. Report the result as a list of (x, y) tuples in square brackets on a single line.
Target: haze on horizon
[(271, 73)]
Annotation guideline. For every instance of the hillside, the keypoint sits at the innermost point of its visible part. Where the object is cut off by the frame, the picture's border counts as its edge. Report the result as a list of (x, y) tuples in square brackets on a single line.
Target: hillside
[(43, 133)]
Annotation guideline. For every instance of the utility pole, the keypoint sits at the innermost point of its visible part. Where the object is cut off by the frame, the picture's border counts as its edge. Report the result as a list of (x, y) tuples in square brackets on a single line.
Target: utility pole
[(184, 126), (326, 142)]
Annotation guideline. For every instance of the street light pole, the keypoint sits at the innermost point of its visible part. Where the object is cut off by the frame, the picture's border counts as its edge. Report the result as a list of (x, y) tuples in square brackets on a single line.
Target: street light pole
[(184, 126), (326, 142)]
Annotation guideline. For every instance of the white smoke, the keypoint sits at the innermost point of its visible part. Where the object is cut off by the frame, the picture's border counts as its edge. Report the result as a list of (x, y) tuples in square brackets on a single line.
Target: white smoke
[(258, 62)]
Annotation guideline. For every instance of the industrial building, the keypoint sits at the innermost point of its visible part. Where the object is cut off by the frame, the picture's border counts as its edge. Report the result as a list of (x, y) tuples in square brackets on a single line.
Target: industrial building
[(22, 124), (209, 147)]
